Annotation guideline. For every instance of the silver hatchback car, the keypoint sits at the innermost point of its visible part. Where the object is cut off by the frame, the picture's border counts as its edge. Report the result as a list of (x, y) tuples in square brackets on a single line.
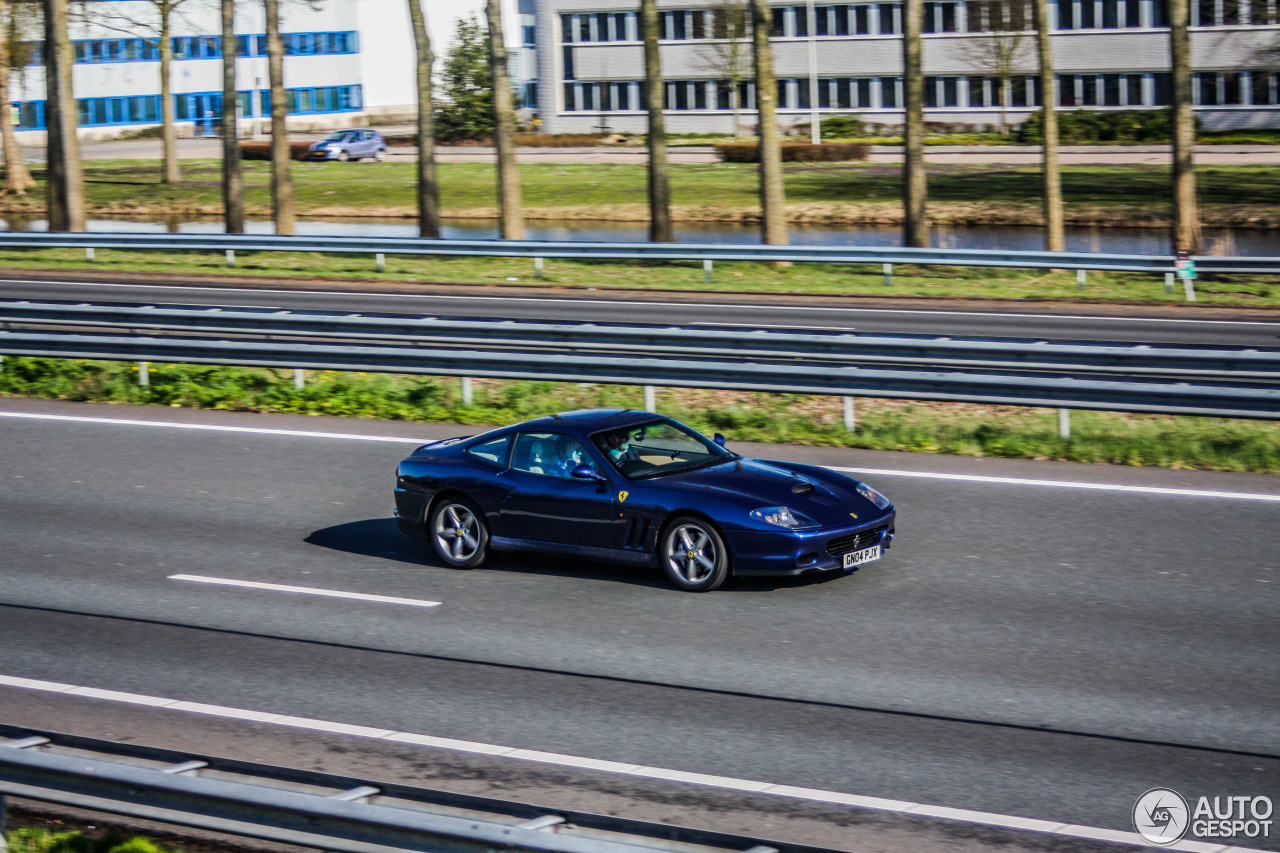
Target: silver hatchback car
[(344, 145)]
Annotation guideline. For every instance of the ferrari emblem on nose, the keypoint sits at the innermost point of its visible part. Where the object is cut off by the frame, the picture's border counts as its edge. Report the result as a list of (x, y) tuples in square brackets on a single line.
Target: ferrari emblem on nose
[(853, 515), (622, 496)]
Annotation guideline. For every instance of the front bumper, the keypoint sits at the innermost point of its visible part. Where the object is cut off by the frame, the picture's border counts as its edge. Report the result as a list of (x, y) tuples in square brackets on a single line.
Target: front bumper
[(322, 154), (786, 553)]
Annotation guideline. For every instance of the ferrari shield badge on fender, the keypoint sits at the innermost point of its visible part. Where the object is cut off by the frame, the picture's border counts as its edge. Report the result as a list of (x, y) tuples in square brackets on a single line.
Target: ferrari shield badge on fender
[(853, 514), (622, 496)]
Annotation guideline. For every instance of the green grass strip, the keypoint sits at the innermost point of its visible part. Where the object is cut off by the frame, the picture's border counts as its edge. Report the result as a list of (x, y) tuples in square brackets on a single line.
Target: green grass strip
[(969, 430), (736, 277), (36, 839)]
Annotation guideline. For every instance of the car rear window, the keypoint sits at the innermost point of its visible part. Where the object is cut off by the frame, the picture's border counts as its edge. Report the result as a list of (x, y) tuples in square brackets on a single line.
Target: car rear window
[(493, 451)]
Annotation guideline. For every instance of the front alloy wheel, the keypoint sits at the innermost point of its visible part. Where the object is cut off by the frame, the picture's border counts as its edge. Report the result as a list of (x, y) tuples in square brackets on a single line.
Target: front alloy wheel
[(694, 555), (458, 533)]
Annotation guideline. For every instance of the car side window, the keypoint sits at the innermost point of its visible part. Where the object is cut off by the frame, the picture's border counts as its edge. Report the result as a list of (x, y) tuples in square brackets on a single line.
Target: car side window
[(552, 454), (493, 451)]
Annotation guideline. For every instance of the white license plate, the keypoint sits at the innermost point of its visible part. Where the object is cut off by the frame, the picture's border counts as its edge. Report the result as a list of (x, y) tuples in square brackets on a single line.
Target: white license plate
[(857, 558)]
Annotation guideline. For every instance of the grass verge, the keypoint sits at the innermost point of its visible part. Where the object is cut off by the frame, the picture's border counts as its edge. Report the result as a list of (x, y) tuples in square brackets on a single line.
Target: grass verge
[(969, 430), (841, 193), (941, 282), (38, 839), (736, 277)]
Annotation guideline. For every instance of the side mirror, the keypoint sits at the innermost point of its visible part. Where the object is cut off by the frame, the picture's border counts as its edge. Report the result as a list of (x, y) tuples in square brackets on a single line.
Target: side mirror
[(719, 439), (586, 472)]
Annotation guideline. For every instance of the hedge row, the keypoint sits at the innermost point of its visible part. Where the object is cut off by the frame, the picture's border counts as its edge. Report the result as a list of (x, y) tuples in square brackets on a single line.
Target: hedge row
[(796, 152), (1081, 126)]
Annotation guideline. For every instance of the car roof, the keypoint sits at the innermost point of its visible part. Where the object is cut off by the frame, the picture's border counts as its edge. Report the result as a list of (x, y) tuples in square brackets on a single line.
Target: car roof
[(589, 420)]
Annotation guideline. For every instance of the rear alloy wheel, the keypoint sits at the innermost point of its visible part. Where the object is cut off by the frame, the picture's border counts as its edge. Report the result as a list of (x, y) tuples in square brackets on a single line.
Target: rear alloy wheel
[(381, 155), (458, 533), (694, 555), (343, 156)]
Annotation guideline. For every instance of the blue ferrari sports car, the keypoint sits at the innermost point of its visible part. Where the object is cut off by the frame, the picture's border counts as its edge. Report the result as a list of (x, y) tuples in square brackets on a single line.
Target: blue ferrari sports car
[(635, 487)]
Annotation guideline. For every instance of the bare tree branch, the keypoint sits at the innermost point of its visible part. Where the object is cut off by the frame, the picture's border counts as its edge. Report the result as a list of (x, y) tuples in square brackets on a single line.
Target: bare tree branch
[(727, 55)]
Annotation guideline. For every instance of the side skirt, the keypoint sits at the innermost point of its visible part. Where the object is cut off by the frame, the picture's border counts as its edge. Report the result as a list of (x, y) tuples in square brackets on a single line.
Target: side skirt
[(585, 552)]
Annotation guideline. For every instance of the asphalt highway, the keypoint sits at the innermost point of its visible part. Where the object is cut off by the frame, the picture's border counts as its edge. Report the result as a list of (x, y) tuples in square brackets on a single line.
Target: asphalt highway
[(1057, 321), (1026, 649)]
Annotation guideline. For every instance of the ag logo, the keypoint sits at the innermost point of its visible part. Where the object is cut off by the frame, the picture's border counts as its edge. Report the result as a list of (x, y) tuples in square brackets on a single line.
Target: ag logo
[(622, 496), (1161, 816)]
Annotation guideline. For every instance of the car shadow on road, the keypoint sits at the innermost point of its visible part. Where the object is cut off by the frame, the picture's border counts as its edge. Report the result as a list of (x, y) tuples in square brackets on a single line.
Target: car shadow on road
[(372, 537), (381, 538)]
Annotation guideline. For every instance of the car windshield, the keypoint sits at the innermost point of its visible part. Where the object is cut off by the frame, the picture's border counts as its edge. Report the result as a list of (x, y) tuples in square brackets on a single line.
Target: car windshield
[(658, 449), (336, 136)]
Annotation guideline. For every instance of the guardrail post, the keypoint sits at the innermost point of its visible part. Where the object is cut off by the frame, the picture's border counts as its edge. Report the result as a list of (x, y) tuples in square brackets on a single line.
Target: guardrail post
[(1080, 276), (537, 267), (649, 398), (888, 275), (299, 381), (381, 260), (88, 254), (1189, 285), (144, 373), (1168, 282), (1064, 423), (706, 271), (231, 257), (467, 391), (850, 423)]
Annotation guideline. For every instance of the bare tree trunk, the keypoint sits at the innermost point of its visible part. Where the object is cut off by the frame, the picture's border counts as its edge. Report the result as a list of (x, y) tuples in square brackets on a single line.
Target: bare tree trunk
[(232, 178), (284, 211), (735, 98), (510, 206), (1053, 237), (659, 179), (773, 221), (16, 177), (169, 172), (66, 179), (1186, 216), (428, 189), (915, 224)]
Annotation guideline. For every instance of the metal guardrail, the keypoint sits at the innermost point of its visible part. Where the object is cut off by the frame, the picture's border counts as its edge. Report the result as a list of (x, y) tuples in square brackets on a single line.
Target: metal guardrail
[(322, 811), (581, 250), (1236, 400), (1075, 357)]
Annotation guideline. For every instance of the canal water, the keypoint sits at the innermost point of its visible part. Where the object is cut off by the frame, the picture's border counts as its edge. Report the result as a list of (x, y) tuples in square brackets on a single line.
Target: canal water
[(1136, 241)]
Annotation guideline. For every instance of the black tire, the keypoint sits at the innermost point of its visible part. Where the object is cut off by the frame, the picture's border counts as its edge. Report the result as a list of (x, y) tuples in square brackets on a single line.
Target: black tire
[(458, 532), (693, 555)]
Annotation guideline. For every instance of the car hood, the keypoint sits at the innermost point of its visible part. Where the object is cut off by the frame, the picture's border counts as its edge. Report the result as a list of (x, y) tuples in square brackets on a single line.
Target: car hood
[(829, 498)]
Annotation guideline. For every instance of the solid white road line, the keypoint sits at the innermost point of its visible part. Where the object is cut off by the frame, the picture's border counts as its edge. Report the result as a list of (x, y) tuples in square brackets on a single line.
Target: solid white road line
[(886, 472), (306, 590), (294, 433), (648, 303), (622, 768), (1064, 484)]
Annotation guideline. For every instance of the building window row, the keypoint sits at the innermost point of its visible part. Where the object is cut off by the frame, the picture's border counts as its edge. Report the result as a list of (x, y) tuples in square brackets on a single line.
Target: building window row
[(940, 16), (1231, 13), (94, 51), (600, 27), (191, 106), (1210, 88)]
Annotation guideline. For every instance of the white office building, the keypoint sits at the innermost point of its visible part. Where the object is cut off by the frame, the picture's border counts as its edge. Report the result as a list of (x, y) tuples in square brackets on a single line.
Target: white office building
[(348, 62), (847, 58)]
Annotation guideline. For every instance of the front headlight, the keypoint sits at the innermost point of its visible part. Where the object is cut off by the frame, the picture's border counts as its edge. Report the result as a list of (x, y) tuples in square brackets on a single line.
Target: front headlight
[(781, 516), (872, 495)]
